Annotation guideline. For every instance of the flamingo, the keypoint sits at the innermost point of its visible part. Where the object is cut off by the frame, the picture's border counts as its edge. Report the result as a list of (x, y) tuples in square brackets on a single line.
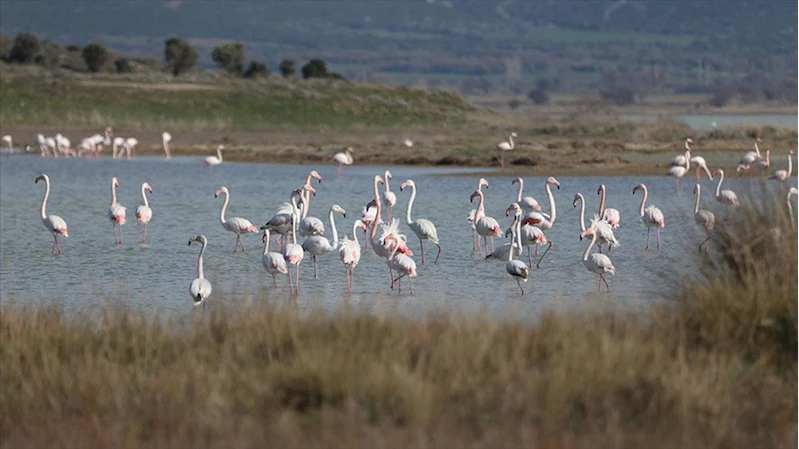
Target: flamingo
[(765, 164), (41, 141), (236, 225), (50, 142), (516, 268), (129, 145), (200, 288), (603, 228), (318, 245), (470, 218), (116, 143), (280, 223), (273, 262), (143, 212), (750, 157), (703, 217), (8, 140), (293, 253), (368, 215), (726, 197), (116, 212), (310, 225), (485, 226), (350, 252), (389, 198), (55, 224), (210, 161), (343, 158), (506, 146), (401, 263), (539, 219), (700, 162), (611, 215), (422, 227), (681, 160), (651, 216), (782, 175), (165, 139), (792, 192), (408, 143), (597, 263), (678, 171), (528, 203)]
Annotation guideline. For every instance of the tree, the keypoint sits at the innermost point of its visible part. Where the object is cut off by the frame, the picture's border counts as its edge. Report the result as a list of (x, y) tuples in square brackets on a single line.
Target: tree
[(287, 68), (230, 56), (315, 68), (95, 56), (179, 55), (123, 65), (256, 69), (25, 49)]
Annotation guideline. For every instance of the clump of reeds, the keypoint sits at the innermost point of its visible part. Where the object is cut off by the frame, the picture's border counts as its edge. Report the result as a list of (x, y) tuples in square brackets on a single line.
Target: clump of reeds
[(714, 368)]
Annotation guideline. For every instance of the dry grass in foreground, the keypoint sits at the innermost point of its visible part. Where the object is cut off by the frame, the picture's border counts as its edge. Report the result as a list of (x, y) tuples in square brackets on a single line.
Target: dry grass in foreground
[(716, 368)]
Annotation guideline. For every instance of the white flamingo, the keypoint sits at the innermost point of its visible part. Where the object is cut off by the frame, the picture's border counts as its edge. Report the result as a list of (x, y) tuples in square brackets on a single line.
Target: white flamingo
[(782, 175), (750, 157), (703, 217), (165, 139), (389, 197), (343, 158), (700, 162), (350, 252), (8, 140), (597, 263), (55, 224), (678, 171), (236, 225), (792, 192), (281, 222), (485, 226), (318, 245), (116, 152), (765, 164), (611, 215), (516, 268), (143, 213), (682, 159), (506, 146), (116, 212), (527, 203), (293, 253), (651, 216), (401, 263), (210, 161), (726, 197), (129, 145), (470, 218), (540, 219), (408, 143), (603, 228), (422, 227), (309, 225), (42, 143), (200, 288), (273, 262)]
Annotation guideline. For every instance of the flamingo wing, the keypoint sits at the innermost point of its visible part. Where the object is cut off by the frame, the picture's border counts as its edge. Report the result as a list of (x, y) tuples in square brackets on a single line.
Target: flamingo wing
[(517, 268), (240, 225), (705, 218), (601, 264), (274, 262), (200, 289)]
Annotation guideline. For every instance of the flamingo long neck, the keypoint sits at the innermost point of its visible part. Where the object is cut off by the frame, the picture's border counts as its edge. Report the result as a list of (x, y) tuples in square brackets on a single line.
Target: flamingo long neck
[(698, 193), (582, 212), (593, 240), (107, 140), (219, 153), (224, 208), (294, 228), (790, 167), (552, 211), (515, 231), (480, 212), (408, 220), (601, 199), (718, 186), (306, 201), (377, 212), (113, 193), (200, 262), (512, 143), (521, 188), (266, 241), (333, 226), (355, 233), (46, 196), (387, 177), (687, 159), (757, 150), (643, 202), (688, 145), (144, 197)]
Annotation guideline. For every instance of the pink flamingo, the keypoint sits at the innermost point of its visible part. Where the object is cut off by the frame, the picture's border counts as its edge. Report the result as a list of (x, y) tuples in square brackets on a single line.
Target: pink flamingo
[(422, 227), (368, 215), (236, 225), (402, 264), (749, 158), (273, 262), (726, 197), (200, 288), (782, 175), (506, 146), (319, 245), (528, 203), (350, 252), (765, 164), (529, 235), (389, 198), (55, 224), (143, 212), (611, 215), (678, 171), (540, 219), (516, 268), (116, 212), (651, 216), (596, 262), (485, 226), (603, 228), (681, 160), (310, 225), (470, 218), (343, 158), (703, 217), (210, 161), (280, 223), (293, 253)]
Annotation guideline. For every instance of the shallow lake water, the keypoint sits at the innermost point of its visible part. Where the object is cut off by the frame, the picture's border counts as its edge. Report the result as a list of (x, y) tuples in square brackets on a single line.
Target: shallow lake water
[(95, 274), (707, 122)]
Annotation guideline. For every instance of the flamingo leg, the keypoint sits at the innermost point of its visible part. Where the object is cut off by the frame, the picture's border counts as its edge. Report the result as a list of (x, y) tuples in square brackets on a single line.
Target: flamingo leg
[(243, 249), (421, 244), (538, 265), (707, 233), (599, 283), (137, 231), (600, 247), (274, 280), (313, 258), (338, 170), (298, 279), (474, 244), (501, 160), (120, 234), (647, 238), (410, 283), (145, 232), (520, 286), (529, 257), (349, 278), (291, 283), (485, 243), (438, 254), (658, 231), (602, 278), (697, 173)]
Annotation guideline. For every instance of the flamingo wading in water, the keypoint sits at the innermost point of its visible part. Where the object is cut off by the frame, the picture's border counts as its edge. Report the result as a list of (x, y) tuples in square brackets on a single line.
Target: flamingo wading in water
[(703, 217), (343, 158), (350, 252), (611, 215), (143, 212), (293, 253), (470, 218), (506, 146), (318, 245), (603, 228), (116, 212), (273, 262), (516, 268), (651, 216), (165, 139), (597, 263), (55, 224), (389, 197), (485, 226), (422, 227), (726, 197), (214, 160), (200, 288), (236, 225)]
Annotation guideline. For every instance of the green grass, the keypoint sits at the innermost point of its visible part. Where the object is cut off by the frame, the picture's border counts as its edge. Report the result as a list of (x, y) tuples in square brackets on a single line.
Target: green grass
[(225, 105)]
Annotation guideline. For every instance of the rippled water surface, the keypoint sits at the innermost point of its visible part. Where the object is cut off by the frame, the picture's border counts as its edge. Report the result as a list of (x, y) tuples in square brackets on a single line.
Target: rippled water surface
[(93, 273)]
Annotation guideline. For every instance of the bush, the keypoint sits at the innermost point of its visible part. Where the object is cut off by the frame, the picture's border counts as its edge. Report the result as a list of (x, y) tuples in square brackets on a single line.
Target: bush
[(315, 68), (538, 96), (257, 69), (287, 68), (123, 65), (95, 56), (179, 55), (6, 44), (230, 57), (25, 49)]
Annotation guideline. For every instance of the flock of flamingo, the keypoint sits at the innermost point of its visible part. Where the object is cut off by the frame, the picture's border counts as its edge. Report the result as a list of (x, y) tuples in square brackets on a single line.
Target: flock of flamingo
[(528, 227)]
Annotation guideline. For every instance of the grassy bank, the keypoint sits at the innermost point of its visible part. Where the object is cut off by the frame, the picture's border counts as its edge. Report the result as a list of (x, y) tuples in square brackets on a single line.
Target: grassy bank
[(716, 367)]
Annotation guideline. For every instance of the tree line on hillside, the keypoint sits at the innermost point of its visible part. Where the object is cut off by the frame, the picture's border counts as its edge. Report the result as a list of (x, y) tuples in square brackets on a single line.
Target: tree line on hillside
[(179, 58)]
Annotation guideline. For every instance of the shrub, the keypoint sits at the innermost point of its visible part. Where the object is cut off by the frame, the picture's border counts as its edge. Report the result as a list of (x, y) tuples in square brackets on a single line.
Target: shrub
[(25, 49), (123, 65), (287, 68), (230, 57), (315, 68), (256, 69), (95, 56), (538, 96), (179, 55)]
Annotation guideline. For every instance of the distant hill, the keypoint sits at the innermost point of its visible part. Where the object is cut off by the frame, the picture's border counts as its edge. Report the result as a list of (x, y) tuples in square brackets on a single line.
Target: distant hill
[(433, 38)]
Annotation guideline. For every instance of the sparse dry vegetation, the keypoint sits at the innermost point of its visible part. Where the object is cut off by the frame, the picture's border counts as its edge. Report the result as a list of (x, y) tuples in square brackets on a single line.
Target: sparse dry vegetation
[(714, 368)]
